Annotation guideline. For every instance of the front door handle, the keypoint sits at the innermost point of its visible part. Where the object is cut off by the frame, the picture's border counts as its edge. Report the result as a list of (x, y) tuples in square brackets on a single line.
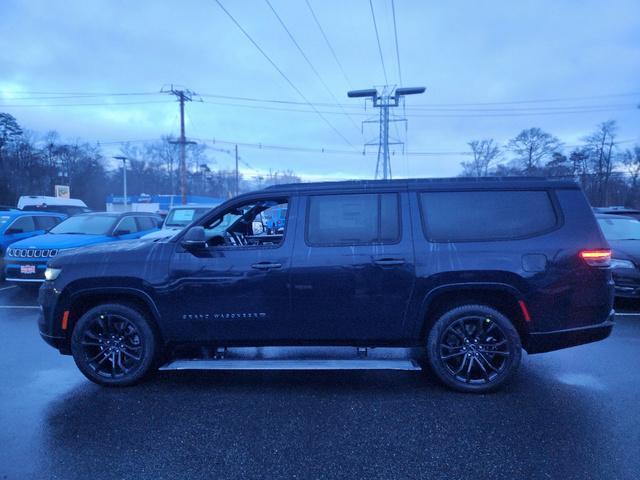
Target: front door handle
[(389, 262), (266, 265)]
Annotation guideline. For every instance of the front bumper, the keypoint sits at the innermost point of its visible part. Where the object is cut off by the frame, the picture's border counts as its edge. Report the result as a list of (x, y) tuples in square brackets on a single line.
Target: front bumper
[(49, 320), (14, 270), (539, 342)]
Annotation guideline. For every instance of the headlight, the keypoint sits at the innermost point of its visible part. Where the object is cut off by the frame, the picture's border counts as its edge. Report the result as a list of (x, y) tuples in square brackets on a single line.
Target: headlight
[(617, 263), (51, 274)]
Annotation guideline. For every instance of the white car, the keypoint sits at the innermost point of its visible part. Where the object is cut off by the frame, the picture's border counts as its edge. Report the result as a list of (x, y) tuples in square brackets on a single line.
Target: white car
[(177, 219)]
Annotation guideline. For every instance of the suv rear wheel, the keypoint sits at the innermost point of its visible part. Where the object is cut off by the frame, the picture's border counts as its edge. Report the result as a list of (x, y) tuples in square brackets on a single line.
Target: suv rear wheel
[(114, 345), (473, 348)]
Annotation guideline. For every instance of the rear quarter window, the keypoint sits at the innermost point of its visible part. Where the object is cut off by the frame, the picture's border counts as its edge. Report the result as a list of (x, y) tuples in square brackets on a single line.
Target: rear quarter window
[(486, 215)]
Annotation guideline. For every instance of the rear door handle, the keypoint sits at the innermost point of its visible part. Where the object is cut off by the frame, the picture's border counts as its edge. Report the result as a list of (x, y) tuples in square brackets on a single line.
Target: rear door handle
[(389, 262), (266, 265)]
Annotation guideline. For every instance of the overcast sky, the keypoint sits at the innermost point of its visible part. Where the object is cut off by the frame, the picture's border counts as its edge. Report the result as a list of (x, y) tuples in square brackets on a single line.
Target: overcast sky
[(585, 54)]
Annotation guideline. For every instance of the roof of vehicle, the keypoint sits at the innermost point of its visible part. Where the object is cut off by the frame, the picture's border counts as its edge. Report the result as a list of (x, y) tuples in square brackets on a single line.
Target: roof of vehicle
[(24, 213), (119, 214), (608, 215), (427, 184), (42, 199)]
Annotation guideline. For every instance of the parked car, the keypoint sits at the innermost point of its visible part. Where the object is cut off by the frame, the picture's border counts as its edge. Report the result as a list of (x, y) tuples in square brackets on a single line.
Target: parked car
[(623, 234), (26, 260), (457, 273), (41, 203), (16, 225), (177, 219)]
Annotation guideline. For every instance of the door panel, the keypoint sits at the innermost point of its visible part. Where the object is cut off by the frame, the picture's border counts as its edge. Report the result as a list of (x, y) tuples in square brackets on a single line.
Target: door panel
[(235, 294), (352, 293)]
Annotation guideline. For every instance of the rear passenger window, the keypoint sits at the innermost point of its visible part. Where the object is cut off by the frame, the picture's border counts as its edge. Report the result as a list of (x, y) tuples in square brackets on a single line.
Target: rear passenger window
[(353, 219), (127, 225), (486, 215), (46, 223), (146, 223)]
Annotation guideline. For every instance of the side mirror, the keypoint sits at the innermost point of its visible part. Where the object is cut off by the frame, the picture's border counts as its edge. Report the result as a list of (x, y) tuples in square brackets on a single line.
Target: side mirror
[(194, 239), (13, 231), (119, 233)]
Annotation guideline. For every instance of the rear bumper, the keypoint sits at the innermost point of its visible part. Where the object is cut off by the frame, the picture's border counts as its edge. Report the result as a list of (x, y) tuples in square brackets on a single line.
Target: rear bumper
[(539, 342)]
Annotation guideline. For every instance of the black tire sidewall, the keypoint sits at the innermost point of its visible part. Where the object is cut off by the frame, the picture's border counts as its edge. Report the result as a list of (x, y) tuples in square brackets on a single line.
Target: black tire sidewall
[(433, 352), (145, 331)]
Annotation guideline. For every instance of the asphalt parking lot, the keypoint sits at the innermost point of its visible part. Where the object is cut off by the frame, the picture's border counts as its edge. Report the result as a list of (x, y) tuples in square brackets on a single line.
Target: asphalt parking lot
[(569, 414)]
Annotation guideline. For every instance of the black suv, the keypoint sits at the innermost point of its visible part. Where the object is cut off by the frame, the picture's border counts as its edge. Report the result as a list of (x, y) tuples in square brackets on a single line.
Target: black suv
[(456, 274)]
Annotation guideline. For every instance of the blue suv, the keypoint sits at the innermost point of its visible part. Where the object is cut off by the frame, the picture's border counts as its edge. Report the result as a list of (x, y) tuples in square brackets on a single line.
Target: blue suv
[(26, 260), (17, 225)]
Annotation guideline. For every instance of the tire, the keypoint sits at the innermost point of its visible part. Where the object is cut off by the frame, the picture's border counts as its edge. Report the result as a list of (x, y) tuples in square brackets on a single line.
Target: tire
[(114, 345), (473, 349)]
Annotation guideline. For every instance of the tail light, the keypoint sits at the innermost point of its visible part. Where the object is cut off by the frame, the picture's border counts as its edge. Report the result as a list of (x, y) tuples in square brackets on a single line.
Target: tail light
[(596, 258)]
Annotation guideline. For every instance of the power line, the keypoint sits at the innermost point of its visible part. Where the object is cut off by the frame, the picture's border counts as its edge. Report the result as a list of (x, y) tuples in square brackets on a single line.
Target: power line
[(246, 34), (82, 104), (304, 55), (326, 39), (426, 115), (446, 113), (430, 106), (541, 100), (375, 26), (395, 33), (89, 94)]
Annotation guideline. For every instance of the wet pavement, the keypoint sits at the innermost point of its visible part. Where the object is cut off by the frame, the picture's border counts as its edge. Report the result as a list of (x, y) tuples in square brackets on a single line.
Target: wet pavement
[(568, 414)]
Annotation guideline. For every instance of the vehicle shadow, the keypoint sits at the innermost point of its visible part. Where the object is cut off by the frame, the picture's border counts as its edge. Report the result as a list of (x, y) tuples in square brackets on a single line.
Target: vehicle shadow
[(325, 424)]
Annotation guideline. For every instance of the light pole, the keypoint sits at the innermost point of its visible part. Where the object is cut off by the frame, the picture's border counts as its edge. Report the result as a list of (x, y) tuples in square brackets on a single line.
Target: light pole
[(124, 177)]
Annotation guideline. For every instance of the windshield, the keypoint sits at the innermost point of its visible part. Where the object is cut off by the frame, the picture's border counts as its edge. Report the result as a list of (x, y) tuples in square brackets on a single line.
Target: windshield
[(86, 224), (181, 217), (620, 228)]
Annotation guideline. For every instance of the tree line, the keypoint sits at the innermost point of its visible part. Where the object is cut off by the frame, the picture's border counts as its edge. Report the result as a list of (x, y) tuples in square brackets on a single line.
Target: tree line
[(32, 164), (608, 173)]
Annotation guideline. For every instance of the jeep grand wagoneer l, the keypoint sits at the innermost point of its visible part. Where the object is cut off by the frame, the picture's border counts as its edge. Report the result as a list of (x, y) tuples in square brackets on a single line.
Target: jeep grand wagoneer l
[(459, 273)]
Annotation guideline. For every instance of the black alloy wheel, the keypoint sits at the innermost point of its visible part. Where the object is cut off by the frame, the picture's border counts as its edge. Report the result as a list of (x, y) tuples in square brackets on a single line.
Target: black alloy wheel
[(474, 348), (113, 345)]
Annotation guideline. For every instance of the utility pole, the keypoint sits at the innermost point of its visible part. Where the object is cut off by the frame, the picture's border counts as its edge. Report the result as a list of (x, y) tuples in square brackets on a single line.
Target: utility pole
[(124, 177), (237, 174), (182, 96), (388, 98)]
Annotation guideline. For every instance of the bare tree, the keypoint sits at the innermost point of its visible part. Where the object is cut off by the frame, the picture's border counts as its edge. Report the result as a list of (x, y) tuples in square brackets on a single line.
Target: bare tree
[(631, 162), (601, 148), (485, 154), (531, 147)]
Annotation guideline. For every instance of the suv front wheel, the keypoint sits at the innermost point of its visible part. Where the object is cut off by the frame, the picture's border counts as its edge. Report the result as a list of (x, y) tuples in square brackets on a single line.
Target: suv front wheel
[(114, 345), (473, 348)]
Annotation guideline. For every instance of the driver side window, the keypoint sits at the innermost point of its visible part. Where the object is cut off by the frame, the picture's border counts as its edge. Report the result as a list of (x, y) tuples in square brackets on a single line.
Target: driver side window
[(253, 224)]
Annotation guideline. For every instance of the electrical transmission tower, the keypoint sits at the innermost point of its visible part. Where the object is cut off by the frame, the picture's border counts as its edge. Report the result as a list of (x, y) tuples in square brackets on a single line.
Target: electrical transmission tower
[(388, 98), (182, 96)]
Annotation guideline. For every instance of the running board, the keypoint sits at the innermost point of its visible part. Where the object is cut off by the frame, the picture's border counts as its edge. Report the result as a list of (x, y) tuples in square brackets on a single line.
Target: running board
[(290, 364)]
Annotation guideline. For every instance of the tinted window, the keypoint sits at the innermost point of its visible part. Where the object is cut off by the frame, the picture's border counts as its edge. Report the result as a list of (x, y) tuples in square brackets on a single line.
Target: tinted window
[(127, 225), (486, 215), (353, 219), (86, 224), (25, 224), (146, 223), (46, 223)]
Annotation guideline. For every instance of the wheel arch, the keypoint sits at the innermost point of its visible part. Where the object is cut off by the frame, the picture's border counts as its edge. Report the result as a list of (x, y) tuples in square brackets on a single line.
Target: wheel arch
[(501, 296), (82, 301)]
